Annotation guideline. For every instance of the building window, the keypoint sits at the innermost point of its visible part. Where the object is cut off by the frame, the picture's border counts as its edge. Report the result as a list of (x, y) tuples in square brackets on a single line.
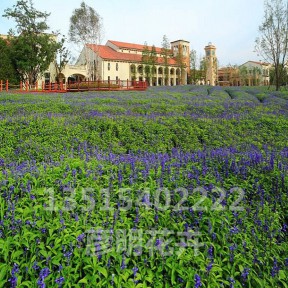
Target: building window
[(117, 66), (108, 79), (108, 66)]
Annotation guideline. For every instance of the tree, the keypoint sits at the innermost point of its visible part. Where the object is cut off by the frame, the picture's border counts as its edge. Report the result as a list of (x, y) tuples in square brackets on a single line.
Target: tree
[(273, 40), (196, 64), (33, 50), (193, 66), (85, 25), (243, 75), (86, 28), (61, 59), (146, 61), (153, 61), (203, 68), (7, 69), (166, 55)]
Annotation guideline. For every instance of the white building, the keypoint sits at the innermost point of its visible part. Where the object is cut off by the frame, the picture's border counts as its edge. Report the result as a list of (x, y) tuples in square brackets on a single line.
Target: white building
[(124, 61), (257, 73)]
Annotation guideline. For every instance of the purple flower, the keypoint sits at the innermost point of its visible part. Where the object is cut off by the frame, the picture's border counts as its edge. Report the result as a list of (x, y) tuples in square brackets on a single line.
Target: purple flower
[(158, 242), (156, 217), (232, 281), (43, 274), (68, 254), (197, 280), (109, 262), (135, 270), (60, 281), (76, 217), (209, 267), (244, 274), (210, 252), (232, 248), (214, 236), (275, 269), (43, 230), (13, 279), (180, 280), (123, 265), (81, 237), (234, 230), (35, 266)]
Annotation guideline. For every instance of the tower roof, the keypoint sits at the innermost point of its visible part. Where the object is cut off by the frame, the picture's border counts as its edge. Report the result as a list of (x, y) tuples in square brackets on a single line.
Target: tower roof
[(210, 46), (179, 41)]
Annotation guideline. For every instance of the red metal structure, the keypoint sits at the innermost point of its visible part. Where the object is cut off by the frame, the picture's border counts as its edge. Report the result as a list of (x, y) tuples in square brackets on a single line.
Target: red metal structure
[(109, 85)]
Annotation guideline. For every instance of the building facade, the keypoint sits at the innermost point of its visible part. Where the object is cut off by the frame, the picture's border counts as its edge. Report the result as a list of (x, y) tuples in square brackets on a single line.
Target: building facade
[(250, 73), (126, 61)]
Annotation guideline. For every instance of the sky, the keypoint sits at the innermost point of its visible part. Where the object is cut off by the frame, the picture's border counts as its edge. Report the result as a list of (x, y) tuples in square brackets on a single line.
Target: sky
[(230, 25)]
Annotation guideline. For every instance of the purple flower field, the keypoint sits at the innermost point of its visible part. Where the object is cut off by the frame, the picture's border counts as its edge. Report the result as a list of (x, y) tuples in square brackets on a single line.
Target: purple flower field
[(181, 186)]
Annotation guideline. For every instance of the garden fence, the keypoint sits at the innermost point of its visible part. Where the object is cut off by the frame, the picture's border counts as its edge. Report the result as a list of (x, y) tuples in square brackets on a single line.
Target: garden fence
[(73, 86)]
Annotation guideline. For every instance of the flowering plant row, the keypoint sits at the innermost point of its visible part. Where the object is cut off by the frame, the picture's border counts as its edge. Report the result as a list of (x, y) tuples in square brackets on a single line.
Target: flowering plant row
[(172, 187)]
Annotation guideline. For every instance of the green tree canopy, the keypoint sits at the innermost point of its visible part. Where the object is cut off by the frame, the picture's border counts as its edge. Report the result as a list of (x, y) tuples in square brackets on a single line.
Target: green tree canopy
[(86, 28), (85, 25), (166, 55), (7, 69), (33, 49), (272, 43)]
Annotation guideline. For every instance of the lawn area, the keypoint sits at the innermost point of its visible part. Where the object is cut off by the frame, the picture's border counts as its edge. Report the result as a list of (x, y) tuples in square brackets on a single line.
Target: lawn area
[(183, 186)]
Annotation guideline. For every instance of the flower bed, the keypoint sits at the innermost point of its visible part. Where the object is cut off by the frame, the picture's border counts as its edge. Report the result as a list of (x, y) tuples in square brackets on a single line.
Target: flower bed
[(172, 187)]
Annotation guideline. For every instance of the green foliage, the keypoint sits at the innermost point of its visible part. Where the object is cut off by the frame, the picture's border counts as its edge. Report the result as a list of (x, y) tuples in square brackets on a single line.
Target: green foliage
[(166, 55), (33, 49), (7, 69), (32, 55), (85, 25), (149, 61), (272, 42), (105, 188)]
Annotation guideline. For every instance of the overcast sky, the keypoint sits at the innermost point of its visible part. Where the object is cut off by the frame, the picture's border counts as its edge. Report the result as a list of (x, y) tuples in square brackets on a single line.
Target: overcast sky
[(231, 25)]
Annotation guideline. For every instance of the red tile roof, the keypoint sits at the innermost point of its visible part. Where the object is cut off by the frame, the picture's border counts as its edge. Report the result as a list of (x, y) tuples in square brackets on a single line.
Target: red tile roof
[(107, 53), (132, 46), (256, 62)]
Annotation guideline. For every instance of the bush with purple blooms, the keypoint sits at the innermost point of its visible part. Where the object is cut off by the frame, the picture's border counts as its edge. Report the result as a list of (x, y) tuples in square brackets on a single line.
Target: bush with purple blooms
[(172, 187)]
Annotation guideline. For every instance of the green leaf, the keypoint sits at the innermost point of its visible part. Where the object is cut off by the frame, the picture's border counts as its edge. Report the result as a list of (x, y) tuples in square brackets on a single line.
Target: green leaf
[(16, 254), (3, 271), (83, 281), (103, 271), (149, 279), (44, 253), (26, 284), (282, 275)]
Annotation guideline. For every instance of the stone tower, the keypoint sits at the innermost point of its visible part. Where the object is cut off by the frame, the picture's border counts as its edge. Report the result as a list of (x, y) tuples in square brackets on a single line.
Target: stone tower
[(211, 64), (181, 51)]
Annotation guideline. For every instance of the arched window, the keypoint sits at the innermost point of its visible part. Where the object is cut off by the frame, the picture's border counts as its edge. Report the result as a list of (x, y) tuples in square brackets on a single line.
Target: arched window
[(133, 68), (140, 69)]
